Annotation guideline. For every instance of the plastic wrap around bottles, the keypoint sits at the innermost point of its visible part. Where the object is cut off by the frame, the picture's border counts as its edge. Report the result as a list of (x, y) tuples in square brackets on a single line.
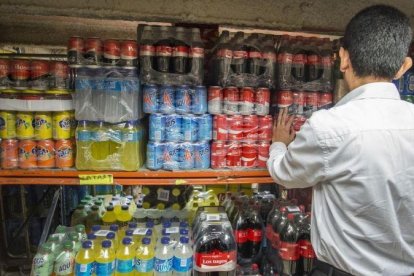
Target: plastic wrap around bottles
[(170, 55), (243, 61), (110, 94)]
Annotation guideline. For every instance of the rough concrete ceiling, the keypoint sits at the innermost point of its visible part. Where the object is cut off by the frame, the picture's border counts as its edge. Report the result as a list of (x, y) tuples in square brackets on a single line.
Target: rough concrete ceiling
[(52, 21)]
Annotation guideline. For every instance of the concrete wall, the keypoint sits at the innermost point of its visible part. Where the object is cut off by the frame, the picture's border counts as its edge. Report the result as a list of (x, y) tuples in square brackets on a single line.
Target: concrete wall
[(52, 21)]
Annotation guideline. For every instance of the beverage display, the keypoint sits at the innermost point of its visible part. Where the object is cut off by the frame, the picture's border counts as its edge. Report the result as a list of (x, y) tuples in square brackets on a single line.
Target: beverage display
[(170, 55)]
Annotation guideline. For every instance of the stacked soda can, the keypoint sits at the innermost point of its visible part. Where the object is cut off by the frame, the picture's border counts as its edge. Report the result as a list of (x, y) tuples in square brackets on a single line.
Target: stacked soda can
[(302, 104), (37, 139)]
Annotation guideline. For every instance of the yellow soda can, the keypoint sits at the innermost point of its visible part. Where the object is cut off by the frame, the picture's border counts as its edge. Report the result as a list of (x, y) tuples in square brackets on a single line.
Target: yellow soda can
[(61, 125), (24, 125), (43, 126), (73, 124), (7, 124)]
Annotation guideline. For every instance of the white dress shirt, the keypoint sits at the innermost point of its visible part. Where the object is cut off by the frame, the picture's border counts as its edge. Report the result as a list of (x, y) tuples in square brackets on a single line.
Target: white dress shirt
[(359, 158)]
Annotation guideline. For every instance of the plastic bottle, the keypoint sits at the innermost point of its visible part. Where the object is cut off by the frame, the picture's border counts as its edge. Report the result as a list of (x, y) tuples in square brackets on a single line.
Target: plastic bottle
[(76, 244), (116, 202), (93, 218), (109, 216), (123, 217), (129, 234), (163, 258), (115, 146), (64, 264), (80, 229), (105, 260), (79, 215), (289, 250), (83, 143), (183, 258), (92, 238), (115, 228), (43, 261), (125, 257), (144, 260), (99, 146), (111, 237), (85, 260), (132, 137)]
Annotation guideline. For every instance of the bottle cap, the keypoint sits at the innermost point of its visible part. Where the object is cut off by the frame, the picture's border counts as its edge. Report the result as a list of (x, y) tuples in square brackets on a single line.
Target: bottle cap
[(165, 240), (114, 228), (183, 224), (132, 225), (149, 232), (183, 231), (96, 228), (129, 232), (184, 240), (149, 224), (87, 244), (67, 245), (126, 241), (53, 238), (125, 207), (47, 246), (110, 236), (80, 228), (73, 236), (95, 207), (106, 244), (110, 207), (91, 236), (146, 241), (166, 224)]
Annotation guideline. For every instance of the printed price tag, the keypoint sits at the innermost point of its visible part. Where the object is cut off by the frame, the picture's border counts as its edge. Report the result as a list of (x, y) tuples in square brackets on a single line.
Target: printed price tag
[(293, 208), (102, 233), (172, 230), (96, 179), (163, 195), (180, 182), (140, 231), (213, 217)]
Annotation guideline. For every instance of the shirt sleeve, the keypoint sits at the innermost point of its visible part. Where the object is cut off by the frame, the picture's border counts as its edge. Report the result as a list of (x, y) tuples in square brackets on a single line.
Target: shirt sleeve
[(302, 164)]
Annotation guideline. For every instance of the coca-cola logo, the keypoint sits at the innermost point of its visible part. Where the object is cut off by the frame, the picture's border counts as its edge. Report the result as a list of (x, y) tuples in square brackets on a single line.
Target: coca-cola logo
[(21, 67)]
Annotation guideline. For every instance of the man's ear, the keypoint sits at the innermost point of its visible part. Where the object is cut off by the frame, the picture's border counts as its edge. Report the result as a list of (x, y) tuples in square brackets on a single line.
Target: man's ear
[(408, 62), (345, 61)]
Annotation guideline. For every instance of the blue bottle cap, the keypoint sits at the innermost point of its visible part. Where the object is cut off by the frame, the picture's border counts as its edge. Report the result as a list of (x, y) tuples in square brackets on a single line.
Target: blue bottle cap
[(96, 228), (149, 224), (106, 244), (149, 232), (183, 224), (110, 235), (132, 225), (164, 232), (183, 231), (166, 224), (184, 240), (126, 241), (146, 241), (114, 228), (129, 232), (87, 244), (165, 240)]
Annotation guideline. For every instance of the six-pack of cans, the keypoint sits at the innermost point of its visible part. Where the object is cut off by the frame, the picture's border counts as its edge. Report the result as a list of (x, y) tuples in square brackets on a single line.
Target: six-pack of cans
[(37, 139)]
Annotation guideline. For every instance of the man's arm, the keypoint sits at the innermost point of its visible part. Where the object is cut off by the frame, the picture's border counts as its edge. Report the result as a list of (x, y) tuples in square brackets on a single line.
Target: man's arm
[(302, 164)]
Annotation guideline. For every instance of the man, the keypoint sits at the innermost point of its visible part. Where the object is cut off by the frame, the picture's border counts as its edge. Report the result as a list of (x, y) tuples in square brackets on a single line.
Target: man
[(359, 155)]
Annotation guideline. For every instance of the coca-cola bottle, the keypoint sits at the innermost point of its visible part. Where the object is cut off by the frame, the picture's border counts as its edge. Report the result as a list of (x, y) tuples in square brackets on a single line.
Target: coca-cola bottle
[(268, 66), (326, 66), (239, 61), (289, 250), (163, 50), (241, 228), (221, 60), (307, 253), (196, 55), (255, 233), (254, 55), (313, 60), (146, 51), (284, 63), (179, 52), (299, 62)]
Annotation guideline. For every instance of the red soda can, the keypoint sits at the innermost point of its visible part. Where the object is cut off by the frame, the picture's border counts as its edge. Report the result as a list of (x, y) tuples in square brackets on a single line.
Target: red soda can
[(284, 98), (298, 121), (218, 154), (129, 53), (265, 128), (215, 100), (311, 103), (9, 153), (75, 50), (112, 52), (20, 73), (235, 127), (234, 154), (4, 73), (58, 75), (325, 100), (93, 50), (249, 155), (231, 100), (250, 127), (262, 153), (299, 100), (39, 73), (262, 102), (220, 128), (246, 101)]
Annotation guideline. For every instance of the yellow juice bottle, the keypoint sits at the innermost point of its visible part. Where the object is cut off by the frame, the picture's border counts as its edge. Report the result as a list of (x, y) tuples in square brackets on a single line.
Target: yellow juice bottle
[(125, 258), (85, 260), (106, 260), (144, 259), (131, 139), (109, 216), (124, 217)]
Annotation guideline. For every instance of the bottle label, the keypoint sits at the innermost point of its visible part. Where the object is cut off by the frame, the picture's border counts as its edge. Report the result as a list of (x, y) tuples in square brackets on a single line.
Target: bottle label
[(41, 266), (306, 249), (163, 265), (102, 233), (105, 269), (131, 137), (125, 266), (144, 265), (83, 136), (225, 261), (213, 217), (183, 265), (140, 231), (84, 269), (241, 236), (289, 251), (254, 235), (163, 195), (172, 230), (64, 267)]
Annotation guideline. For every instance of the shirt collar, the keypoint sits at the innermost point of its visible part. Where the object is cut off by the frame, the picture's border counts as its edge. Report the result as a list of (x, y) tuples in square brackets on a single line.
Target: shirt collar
[(375, 90)]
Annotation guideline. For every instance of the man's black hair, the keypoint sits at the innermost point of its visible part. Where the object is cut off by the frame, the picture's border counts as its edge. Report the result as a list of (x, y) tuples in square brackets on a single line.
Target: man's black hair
[(378, 39)]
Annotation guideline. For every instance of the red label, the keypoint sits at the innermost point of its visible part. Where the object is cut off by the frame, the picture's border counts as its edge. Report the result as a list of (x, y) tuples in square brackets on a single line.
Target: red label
[(215, 92), (284, 98), (289, 251), (39, 68), (111, 49), (75, 44), (247, 95), (284, 58), (129, 49), (324, 99), (214, 258), (59, 69), (270, 56), (196, 52), (4, 68), (299, 59), (20, 70), (231, 94), (241, 236), (163, 50), (275, 240), (312, 99), (93, 45), (255, 235), (180, 51), (255, 54), (146, 50), (327, 61), (239, 54), (306, 249), (262, 96), (313, 59), (224, 53)]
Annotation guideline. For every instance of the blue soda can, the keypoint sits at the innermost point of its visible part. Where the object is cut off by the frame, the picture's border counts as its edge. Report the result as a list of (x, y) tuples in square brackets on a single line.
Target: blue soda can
[(150, 94), (155, 155), (183, 99), (205, 127), (186, 156), (173, 128), (199, 103), (190, 128), (171, 156), (157, 127), (202, 155), (409, 82), (167, 99)]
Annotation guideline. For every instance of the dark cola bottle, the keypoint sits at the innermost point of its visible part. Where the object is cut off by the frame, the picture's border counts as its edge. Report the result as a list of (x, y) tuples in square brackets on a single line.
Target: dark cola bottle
[(254, 55), (326, 67), (221, 60), (255, 233), (299, 62), (269, 62), (284, 63), (146, 50), (179, 52), (239, 61), (307, 253), (289, 249), (241, 228), (163, 50), (313, 60), (196, 55)]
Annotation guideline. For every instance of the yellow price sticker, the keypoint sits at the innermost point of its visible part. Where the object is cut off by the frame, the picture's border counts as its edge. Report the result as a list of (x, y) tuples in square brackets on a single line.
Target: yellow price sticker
[(96, 179), (180, 182)]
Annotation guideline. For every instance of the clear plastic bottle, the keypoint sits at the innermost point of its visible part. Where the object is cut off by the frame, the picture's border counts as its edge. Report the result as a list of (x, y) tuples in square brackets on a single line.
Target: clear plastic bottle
[(144, 260), (83, 143), (99, 146), (105, 260), (132, 137), (163, 258), (183, 258), (80, 229), (93, 218), (85, 260), (125, 259), (55, 246), (64, 264), (76, 244), (79, 215), (43, 261)]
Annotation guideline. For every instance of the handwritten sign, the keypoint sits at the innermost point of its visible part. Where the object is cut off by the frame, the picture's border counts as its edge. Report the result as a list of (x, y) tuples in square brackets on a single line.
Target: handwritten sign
[(180, 182), (96, 179)]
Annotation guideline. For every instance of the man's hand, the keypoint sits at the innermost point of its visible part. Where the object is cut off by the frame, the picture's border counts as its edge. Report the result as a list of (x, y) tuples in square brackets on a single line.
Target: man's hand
[(282, 128)]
